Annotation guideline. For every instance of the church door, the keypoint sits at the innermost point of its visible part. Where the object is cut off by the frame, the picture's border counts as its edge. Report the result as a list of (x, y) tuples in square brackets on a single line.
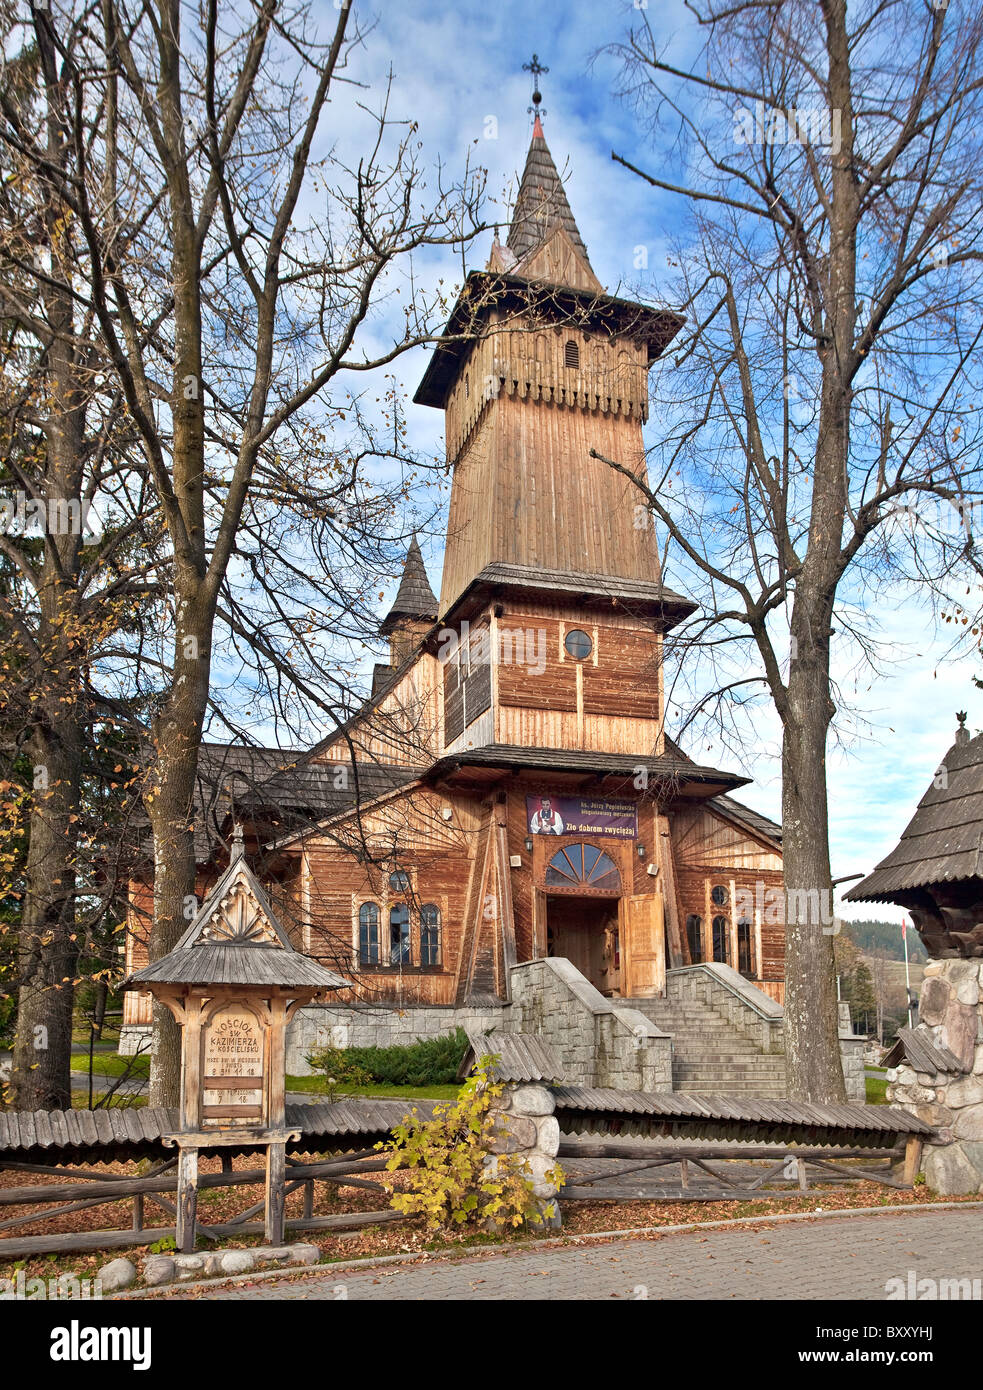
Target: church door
[(644, 963)]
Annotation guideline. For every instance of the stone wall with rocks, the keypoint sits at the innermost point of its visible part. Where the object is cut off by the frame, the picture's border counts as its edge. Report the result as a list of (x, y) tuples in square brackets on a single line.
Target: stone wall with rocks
[(326, 1025), (951, 1012), (526, 1126), (600, 1041)]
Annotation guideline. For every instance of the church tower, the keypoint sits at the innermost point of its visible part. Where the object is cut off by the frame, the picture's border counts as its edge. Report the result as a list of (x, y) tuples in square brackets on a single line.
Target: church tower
[(537, 367)]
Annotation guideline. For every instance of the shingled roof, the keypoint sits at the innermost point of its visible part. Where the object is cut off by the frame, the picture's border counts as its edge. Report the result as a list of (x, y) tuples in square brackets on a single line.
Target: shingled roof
[(414, 598), (236, 939), (541, 204), (942, 841), (282, 789)]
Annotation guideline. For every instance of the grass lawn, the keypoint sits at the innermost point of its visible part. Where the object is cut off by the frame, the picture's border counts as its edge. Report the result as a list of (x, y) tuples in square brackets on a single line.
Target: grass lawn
[(80, 1100), (112, 1064), (876, 1090)]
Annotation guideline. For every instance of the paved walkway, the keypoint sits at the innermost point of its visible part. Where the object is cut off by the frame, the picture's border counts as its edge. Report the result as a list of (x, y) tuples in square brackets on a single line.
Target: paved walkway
[(839, 1258)]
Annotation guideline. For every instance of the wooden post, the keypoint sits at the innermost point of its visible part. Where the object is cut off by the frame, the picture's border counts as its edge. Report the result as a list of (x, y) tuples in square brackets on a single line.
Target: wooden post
[(308, 1199), (912, 1160), (800, 1164), (187, 1200), (276, 1164), (138, 1211)]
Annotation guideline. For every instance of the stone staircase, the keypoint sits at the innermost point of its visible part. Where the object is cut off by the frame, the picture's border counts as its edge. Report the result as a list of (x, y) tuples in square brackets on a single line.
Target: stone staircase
[(727, 1036)]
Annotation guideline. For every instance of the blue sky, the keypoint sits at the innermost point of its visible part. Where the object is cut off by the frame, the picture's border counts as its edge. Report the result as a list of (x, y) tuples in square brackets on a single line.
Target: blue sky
[(457, 65)]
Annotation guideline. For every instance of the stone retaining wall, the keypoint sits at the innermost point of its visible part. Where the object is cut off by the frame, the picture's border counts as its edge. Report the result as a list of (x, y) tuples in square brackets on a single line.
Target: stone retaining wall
[(951, 1009)]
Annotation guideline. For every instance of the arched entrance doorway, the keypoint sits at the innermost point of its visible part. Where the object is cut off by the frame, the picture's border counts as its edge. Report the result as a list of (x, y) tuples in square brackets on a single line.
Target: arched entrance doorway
[(583, 894)]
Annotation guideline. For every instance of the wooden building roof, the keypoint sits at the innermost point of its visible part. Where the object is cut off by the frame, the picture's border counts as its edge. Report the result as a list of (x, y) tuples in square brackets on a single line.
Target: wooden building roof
[(665, 770), (414, 598), (486, 292), (520, 1057), (541, 205), (641, 597), (919, 1048), (943, 841)]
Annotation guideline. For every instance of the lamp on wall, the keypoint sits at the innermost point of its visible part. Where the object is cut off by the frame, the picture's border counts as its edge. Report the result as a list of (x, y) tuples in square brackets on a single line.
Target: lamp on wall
[(529, 844), (641, 850)]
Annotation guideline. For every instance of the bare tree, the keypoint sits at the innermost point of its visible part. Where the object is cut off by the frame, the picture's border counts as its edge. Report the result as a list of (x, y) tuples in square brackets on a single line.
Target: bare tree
[(231, 269), (819, 420), (77, 545)]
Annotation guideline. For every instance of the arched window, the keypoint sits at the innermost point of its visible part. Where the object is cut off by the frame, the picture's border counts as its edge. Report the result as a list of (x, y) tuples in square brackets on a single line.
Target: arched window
[(429, 934), (399, 934), (583, 869), (720, 925), (744, 964), (694, 935), (571, 353), (368, 934)]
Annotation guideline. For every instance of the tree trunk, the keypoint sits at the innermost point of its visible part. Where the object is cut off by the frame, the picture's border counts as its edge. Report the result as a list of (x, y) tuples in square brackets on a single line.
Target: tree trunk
[(49, 946), (170, 804), (813, 1065)]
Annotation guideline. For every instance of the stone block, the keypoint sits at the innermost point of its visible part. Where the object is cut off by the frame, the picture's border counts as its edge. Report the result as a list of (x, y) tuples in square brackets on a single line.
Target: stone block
[(934, 1000), (968, 1090), (513, 1134), (959, 1032), (158, 1269), (969, 1123), (548, 1136), (949, 1172), (968, 991), (117, 1274), (189, 1266), (237, 1261), (538, 1165)]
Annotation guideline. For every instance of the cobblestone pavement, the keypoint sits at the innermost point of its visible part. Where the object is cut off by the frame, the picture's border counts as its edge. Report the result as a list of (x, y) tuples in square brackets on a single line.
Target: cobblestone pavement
[(839, 1258)]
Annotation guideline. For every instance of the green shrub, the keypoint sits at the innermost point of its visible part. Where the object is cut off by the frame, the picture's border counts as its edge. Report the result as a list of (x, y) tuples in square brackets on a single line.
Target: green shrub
[(426, 1062), (340, 1071), (450, 1183)]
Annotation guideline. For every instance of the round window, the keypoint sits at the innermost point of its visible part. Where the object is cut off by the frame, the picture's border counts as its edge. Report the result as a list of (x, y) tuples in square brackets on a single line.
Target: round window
[(399, 882), (578, 644), (718, 895)]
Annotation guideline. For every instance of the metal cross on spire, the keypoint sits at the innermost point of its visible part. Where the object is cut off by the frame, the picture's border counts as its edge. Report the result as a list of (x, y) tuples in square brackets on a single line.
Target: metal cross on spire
[(537, 69)]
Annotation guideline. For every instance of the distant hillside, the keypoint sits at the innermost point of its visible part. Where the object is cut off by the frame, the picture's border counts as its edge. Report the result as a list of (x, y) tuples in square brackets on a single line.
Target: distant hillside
[(884, 939)]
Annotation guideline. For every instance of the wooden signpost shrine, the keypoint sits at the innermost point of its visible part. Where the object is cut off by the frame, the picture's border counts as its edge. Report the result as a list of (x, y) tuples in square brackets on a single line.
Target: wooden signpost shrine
[(233, 982)]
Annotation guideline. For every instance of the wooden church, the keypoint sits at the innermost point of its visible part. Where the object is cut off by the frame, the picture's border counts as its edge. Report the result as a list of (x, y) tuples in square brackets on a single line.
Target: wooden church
[(508, 790)]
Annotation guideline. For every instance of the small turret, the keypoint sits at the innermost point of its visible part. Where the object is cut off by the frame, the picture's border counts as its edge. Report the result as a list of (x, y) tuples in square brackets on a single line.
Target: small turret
[(414, 608)]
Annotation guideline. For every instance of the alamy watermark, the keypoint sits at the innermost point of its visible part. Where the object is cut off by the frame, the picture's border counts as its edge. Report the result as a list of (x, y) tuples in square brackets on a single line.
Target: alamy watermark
[(22, 1287), (52, 516), (519, 646), (819, 126), (958, 1289)]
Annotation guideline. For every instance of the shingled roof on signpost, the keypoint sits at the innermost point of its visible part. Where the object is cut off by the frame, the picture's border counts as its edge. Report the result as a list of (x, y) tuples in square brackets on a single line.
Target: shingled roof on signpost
[(235, 939)]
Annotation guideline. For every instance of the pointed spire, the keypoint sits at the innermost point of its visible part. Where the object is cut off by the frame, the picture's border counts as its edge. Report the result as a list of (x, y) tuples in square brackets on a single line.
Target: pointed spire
[(541, 205), (414, 599), (962, 733)]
